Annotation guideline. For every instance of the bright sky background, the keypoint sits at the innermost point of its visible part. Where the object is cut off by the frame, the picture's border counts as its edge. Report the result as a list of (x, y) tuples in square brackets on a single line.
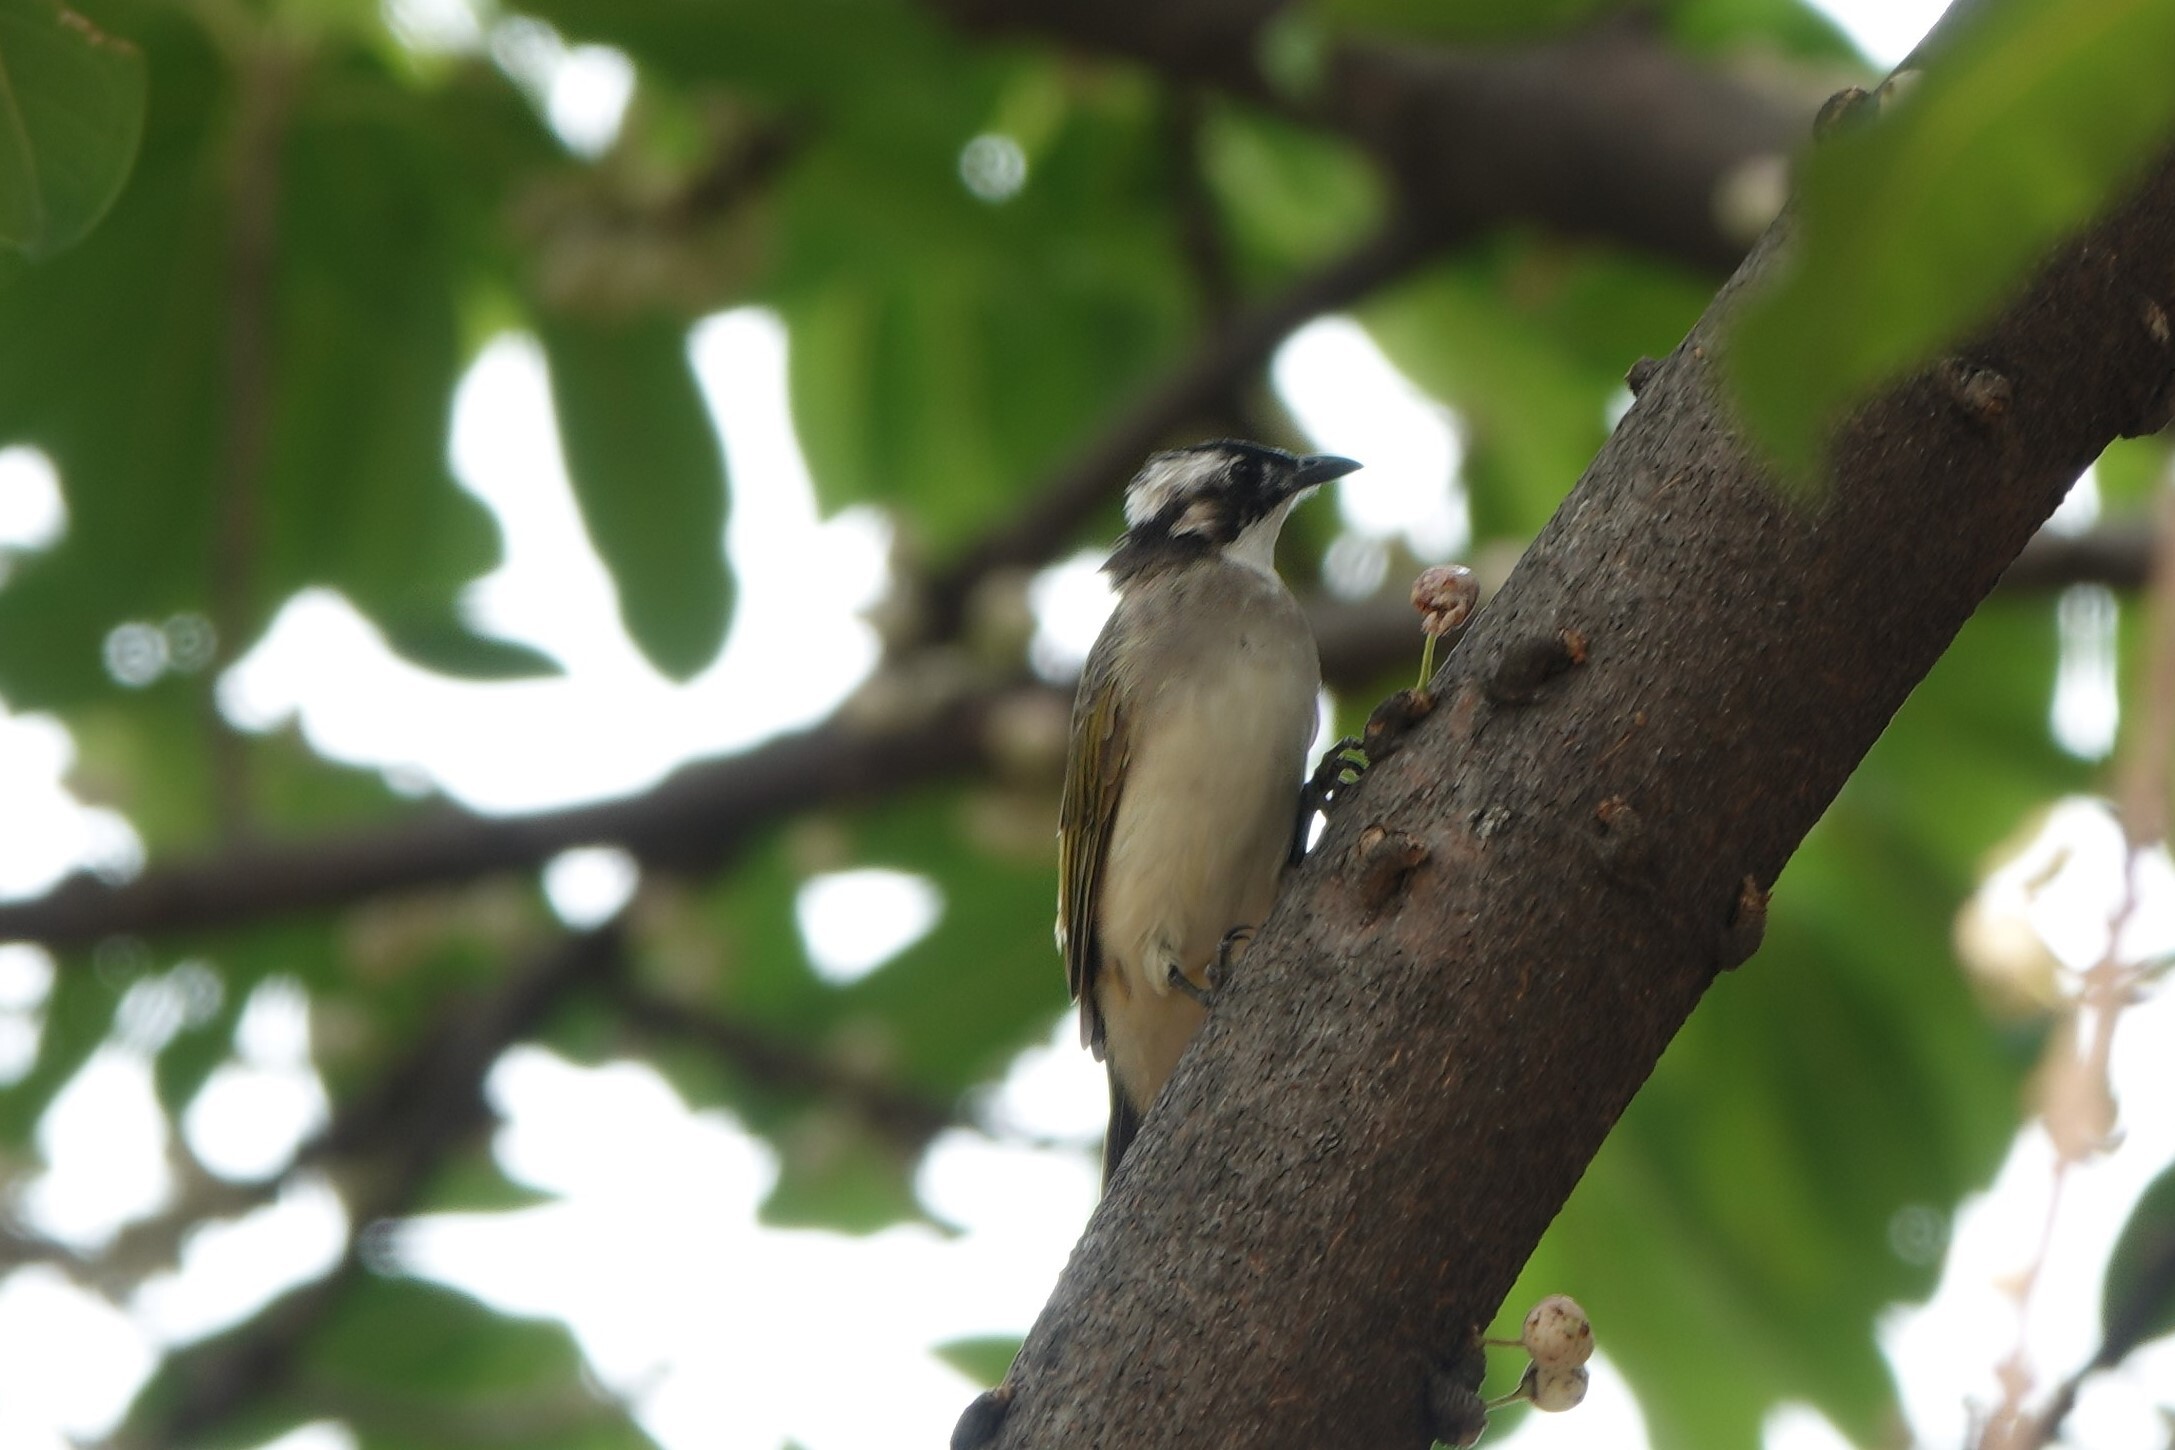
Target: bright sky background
[(723, 1333)]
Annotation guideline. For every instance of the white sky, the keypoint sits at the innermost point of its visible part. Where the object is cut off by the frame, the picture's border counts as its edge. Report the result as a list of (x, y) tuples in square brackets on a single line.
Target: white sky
[(721, 1332)]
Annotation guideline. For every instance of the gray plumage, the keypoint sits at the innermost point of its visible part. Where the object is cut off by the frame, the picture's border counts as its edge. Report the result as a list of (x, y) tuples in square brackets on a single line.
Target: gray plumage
[(1189, 739)]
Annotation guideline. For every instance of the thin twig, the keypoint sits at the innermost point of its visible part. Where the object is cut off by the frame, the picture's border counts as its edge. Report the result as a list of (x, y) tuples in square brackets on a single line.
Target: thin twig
[(267, 87), (1200, 225)]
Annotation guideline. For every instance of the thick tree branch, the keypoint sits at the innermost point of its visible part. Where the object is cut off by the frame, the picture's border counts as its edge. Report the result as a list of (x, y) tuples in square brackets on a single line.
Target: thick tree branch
[(1501, 932)]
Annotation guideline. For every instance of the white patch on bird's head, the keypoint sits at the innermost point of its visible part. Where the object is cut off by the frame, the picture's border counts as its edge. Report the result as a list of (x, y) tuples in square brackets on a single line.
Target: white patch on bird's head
[(1228, 496), (1167, 477)]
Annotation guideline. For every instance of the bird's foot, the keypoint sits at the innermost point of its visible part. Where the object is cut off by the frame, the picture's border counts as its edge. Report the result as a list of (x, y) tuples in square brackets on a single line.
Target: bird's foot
[(1185, 986), (1219, 968), (1340, 770), (1234, 941)]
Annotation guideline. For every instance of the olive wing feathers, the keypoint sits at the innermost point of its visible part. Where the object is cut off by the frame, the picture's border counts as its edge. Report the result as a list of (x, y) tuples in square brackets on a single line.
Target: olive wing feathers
[(1094, 778)]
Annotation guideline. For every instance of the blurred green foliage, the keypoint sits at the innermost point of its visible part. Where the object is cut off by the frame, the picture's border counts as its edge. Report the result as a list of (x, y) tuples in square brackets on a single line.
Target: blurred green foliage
[(68, 133), (244, 374), (1911, 229)]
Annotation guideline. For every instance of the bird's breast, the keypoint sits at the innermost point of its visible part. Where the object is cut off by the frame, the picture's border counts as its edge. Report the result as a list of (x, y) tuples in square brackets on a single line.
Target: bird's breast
[(1204, 824)]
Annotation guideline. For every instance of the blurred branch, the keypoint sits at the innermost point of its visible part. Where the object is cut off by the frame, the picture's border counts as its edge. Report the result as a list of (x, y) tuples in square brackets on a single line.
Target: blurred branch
[(1057, 507), (430, 1098), (267, 85), (1200, 224), (742, 169), (1611, 133), (906, 1118), (150, 1245), (2117, 554), (700, 816), (391, 1142), (523, 1419), (20, 1246), (695, 820)]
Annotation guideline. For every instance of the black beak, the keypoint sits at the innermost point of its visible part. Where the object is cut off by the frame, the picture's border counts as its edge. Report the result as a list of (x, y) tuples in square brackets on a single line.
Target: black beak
[(1319, 468)]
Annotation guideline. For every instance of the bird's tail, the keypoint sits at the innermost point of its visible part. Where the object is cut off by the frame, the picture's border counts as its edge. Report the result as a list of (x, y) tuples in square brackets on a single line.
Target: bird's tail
[(1124, 1123)]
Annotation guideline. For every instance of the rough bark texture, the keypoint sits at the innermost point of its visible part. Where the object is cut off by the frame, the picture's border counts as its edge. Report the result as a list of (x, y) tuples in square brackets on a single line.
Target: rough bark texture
[(1505, 926)]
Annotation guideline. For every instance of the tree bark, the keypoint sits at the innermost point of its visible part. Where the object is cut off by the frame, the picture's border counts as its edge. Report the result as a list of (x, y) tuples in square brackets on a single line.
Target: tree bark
[(1503, 928)]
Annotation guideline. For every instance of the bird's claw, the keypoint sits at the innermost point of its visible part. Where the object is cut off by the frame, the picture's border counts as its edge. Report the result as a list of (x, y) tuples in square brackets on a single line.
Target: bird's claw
[(1236, 937), (1185, 986), (1219, 967), (1340, 770)]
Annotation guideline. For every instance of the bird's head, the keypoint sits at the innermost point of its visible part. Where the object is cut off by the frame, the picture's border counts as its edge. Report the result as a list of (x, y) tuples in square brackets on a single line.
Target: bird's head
[(1227, 497)]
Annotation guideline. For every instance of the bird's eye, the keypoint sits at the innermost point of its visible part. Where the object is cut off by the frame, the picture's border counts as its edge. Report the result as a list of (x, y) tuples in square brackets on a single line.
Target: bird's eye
[(1246, 472)]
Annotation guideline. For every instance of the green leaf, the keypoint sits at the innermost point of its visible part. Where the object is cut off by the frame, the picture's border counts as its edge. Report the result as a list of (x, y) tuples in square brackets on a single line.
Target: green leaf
[(411, 1365), (420, 1338), (924, 321), (1288, 195), (473, 1183), (947, 1013), (2138, 1300), (71, 115), (1912, 229), (1527, 342), (983, 1360), (450, 647), (357, 491), (831, 48), (344, 411), (2130, 471), (125, 326), (649, 475), (833, 1175), (1466, 23), (1735, 27), (78, 1015), (189, 1059)]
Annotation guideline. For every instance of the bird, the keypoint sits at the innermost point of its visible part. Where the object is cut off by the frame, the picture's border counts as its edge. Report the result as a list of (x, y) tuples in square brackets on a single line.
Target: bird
[(1188, 742)]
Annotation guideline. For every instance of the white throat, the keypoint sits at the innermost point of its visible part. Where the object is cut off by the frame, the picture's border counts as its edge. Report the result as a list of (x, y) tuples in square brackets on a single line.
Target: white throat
[(1255, 547)]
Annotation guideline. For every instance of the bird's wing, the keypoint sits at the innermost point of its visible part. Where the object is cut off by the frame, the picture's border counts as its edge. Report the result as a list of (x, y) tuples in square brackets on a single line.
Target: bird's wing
[(1092, 784)]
